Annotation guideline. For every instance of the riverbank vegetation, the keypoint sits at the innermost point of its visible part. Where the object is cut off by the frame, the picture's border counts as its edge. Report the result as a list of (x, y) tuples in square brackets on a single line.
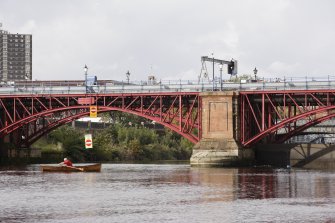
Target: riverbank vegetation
[(127, 138)]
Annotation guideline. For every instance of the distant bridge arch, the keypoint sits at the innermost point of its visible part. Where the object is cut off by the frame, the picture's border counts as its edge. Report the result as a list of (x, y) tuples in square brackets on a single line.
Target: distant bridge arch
[(276, 116)]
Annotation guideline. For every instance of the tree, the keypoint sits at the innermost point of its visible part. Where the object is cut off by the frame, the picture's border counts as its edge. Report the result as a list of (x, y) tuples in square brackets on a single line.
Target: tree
[(121, 141)]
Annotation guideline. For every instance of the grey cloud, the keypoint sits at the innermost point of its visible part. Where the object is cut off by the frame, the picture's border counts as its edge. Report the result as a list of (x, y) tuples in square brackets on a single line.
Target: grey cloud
[(280, 37)]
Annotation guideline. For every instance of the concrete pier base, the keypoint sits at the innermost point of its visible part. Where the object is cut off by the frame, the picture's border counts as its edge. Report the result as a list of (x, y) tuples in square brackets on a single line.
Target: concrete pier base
[(223, 152), (218, 145)]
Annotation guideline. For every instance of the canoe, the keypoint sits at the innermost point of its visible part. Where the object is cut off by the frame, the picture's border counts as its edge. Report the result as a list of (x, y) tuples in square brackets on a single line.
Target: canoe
[(96, 167)]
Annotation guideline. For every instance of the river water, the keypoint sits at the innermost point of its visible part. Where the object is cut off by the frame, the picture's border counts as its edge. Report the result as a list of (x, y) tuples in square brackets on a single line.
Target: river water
[(167, 193)]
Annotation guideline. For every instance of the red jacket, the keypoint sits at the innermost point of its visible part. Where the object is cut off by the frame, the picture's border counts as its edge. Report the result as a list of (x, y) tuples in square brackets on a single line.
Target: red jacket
[(67, 163)]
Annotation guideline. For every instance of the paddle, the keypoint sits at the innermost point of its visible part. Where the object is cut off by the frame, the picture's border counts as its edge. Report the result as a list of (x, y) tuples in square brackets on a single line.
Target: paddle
[(72, 167), (77, 168)]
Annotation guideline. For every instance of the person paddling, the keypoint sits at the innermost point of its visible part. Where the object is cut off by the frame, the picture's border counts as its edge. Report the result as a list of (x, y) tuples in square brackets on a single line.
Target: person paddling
[(66, 162)]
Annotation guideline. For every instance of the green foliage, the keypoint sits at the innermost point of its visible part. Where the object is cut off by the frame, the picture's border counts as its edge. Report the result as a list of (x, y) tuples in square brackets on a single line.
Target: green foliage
[(121, 142), (72, 141)]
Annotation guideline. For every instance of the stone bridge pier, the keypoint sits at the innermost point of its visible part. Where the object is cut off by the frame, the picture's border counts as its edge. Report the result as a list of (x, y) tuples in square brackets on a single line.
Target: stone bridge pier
[(219, 145)]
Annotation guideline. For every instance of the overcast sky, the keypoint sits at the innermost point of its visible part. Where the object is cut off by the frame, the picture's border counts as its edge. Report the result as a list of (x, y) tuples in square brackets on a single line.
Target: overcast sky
[(167, 38)]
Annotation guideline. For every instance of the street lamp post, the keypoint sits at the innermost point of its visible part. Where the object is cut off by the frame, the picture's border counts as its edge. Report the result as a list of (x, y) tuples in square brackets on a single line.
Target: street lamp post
[(220, 66), (128, 76), (255, 73), (26, 77), (85, 69), (213, 70)]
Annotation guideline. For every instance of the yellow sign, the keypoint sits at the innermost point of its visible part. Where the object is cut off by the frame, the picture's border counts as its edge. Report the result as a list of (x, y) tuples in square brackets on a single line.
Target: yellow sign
[(93, 111)]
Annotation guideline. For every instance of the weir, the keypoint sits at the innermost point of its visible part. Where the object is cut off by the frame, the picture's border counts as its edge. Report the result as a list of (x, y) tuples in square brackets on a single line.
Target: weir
[(300, 155)]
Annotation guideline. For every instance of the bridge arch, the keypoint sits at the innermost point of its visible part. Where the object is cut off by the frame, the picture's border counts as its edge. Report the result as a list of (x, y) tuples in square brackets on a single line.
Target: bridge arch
[(33, 116), (304, 127), (293, 120), (277, 116), (35, 135)]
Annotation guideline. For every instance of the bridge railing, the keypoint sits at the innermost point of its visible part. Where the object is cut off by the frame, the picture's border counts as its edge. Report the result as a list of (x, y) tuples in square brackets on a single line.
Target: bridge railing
[(174, 86)]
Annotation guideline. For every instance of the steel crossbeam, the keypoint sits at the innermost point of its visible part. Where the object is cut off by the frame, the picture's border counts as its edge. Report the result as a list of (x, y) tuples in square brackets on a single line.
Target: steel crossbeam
[(276, 116), (28, 117)]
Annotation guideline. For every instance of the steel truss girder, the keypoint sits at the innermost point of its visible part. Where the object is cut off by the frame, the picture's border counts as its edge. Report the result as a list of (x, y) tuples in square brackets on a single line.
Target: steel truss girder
[(31, 116), (276, 116)]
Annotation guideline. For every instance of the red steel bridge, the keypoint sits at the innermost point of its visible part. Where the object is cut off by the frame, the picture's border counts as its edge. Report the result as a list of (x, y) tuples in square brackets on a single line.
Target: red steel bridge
[(276, 116), (25, 118), (263, 116)]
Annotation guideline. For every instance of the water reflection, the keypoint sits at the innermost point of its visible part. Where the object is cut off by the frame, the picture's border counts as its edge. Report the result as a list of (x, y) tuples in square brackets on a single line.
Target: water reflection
[(226, 184), (166, 193), (253, 183), (256, 183)]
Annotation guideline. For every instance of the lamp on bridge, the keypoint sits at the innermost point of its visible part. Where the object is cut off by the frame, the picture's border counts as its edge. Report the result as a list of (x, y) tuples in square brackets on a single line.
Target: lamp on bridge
[(26, 78), (221, 66), (255, 73), (85, 69), (213, 72), (128, 76)]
